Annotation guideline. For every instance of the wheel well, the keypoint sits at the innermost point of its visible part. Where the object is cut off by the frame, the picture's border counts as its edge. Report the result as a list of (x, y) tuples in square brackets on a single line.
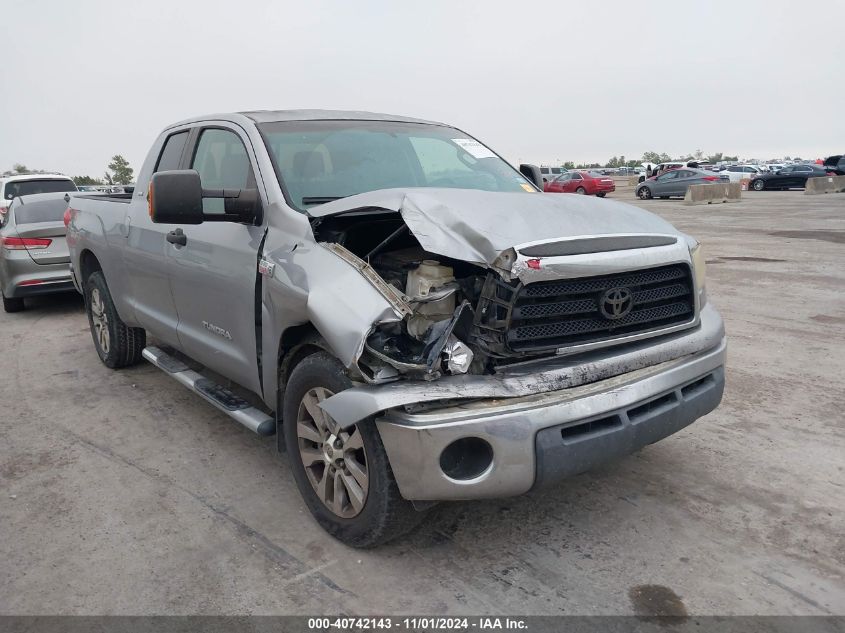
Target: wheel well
[(298, 342), (88, 263)]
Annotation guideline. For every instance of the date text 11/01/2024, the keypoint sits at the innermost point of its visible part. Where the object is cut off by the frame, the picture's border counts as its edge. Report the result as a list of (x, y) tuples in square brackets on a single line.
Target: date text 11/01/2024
[(417, 623)]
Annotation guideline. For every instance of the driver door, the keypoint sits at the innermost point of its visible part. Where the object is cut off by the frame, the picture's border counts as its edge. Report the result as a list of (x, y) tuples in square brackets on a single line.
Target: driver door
[(213, 274)]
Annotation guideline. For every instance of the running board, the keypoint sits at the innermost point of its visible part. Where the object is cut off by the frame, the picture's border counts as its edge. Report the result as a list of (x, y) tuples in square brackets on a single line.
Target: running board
[(229, 403)]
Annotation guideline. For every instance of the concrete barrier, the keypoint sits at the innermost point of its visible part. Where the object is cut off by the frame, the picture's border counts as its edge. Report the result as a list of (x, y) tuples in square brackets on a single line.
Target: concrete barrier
[(715, 192), (825, 184)]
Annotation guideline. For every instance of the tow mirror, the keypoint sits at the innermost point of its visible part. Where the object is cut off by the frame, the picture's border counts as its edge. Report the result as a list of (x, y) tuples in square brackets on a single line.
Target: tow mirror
[(532, 173), (175, 197)]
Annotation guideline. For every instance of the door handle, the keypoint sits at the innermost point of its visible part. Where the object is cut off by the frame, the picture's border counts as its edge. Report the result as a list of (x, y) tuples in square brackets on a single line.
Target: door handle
[(177, 237)]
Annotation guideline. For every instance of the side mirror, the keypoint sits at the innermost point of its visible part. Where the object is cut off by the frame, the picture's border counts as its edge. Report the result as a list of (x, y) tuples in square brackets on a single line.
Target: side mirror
[(175, 197), (532, 173)]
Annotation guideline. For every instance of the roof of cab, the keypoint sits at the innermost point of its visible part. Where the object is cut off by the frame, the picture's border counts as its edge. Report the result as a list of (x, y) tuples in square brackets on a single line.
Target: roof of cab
[(272, 116)]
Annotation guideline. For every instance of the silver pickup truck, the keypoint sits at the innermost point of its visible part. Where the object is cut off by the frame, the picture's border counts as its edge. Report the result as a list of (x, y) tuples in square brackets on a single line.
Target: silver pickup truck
[(413, 315)]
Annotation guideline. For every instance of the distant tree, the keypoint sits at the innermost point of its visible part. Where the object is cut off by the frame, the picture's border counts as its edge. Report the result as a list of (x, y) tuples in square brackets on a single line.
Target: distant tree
[(122, 173), (108, 179), (654, 157), (18, 168), (699, 155), (568, 165), (86, 180), (731, 158)]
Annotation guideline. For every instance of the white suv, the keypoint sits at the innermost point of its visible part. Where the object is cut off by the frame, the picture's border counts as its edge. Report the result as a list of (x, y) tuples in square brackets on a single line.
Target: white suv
[(25, 184), (737, 172)]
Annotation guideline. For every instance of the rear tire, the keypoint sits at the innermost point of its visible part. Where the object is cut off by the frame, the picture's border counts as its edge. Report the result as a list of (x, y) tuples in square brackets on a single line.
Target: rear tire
[(580, 191), (379, 514), (117, 344), (14, 304), (758, 185)]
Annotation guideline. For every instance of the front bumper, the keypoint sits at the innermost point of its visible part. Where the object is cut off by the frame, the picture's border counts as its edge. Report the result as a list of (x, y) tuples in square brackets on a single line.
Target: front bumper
[(541, 438)]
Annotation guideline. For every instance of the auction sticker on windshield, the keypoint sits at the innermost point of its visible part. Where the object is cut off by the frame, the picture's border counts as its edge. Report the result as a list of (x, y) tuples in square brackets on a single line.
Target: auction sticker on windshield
[(474, 148)]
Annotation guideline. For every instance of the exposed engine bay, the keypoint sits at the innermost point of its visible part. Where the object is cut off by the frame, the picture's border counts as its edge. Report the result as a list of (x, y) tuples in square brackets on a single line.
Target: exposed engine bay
[(441, 333)]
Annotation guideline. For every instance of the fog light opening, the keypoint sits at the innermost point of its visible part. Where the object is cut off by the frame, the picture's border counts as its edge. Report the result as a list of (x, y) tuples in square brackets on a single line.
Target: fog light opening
[(466, 458)]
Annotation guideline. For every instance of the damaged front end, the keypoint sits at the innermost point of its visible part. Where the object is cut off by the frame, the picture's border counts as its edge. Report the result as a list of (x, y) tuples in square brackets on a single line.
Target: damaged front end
[(484, 292), (437, 317)]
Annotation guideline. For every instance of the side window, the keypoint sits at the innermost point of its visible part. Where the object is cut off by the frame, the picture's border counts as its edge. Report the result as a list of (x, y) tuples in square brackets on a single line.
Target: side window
[(222, 163), (669, 175), (577, 177), (172, 151)]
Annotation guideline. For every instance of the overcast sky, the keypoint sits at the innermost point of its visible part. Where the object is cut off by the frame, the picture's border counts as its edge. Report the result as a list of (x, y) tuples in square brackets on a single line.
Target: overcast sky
[(539, 82)]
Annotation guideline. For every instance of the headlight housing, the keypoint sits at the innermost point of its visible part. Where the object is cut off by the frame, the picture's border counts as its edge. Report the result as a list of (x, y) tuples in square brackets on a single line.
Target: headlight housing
[(698, 270)]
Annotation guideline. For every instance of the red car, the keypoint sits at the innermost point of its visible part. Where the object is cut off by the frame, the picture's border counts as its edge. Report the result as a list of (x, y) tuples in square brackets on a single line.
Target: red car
[(584, 182)]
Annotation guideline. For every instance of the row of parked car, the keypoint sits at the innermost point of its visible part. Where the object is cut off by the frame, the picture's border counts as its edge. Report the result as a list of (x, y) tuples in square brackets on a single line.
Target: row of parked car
[(672, 178)]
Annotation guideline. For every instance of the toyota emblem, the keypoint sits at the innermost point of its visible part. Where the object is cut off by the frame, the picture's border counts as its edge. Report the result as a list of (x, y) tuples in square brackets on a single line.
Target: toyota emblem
[(616, 303)]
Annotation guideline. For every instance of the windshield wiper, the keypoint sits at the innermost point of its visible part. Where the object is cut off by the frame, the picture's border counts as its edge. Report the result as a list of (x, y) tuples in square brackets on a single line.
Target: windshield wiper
[(320, 199)]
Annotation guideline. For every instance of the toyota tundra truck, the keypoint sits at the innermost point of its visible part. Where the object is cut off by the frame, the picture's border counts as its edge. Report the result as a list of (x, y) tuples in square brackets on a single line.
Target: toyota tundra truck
[(409, 314)]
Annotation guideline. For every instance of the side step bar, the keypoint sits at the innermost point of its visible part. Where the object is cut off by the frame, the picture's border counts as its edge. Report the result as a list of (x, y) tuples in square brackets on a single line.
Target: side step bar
[(232, 405)]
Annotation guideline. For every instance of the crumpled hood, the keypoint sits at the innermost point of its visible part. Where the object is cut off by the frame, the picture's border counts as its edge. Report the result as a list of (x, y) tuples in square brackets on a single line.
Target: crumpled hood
[(478, 226)]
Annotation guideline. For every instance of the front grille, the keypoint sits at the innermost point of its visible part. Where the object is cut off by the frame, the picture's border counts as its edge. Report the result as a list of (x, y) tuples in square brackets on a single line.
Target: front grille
[(552, 314)]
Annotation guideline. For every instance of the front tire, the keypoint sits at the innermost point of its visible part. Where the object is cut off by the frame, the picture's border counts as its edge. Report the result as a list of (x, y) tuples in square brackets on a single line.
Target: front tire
[(601, 194), (14, 304), (644, 193), (117, 344), (344, 476)]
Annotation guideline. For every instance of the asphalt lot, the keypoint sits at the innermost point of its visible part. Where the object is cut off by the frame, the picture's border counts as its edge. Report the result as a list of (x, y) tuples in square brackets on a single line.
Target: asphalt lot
[(124, 493)]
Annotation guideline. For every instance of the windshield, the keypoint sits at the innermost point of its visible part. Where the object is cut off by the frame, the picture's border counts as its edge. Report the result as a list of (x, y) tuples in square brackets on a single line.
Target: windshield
[(16, 188), (320, 161)]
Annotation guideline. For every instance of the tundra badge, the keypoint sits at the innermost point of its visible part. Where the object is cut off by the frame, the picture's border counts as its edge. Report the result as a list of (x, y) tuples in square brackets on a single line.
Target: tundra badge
[(219, 331)]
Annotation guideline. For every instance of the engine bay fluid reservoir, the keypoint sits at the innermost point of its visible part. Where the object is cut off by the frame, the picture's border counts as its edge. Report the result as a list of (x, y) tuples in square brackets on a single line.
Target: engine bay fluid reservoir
[(427, 277)]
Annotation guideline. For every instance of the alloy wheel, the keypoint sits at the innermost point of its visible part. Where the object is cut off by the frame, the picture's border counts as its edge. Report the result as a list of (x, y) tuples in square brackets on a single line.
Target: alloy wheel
[(100, 320), (335, 459)]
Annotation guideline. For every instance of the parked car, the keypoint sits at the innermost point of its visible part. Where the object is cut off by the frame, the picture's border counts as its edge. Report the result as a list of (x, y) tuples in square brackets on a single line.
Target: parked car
[(34, 258), (675, 182), (590, 183), (550, 173), (735, 173), (790, 177), (835, 164), (670, 165), (421, 323), (27, 184)]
